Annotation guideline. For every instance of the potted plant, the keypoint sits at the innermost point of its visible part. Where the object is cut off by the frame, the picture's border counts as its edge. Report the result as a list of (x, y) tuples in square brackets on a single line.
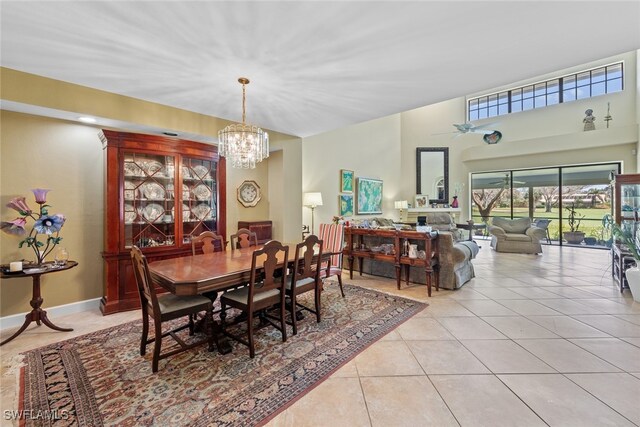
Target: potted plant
[(574, 237), (632, 274)]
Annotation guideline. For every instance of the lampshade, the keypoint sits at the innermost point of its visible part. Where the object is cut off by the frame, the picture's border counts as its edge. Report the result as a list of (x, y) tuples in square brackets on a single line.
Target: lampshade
[(242, 144), (401, 204), (312, 199)]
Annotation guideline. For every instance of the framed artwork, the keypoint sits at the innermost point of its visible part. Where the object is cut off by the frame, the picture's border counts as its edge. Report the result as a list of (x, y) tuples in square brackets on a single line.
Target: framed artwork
[(346, 181), (345, 201), (422, 201), (369, 199)]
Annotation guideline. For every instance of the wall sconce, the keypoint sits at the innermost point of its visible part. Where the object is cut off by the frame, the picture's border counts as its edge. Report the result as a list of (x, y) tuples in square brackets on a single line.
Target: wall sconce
[(312, 200), (401, 205)]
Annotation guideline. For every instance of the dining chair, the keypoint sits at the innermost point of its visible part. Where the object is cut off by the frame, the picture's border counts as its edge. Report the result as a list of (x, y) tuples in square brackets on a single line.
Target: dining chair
[(208, 242), (243, 239), (163, 308), (333, 237), (305, 277), (266, 289)]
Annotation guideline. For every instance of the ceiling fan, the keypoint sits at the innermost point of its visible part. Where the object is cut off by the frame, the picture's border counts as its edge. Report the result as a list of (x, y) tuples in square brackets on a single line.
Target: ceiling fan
[(470, 128), (505, 181), (491, 136)]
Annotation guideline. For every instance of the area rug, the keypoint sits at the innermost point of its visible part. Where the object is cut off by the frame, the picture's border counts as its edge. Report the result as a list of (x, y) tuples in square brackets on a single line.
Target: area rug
[(101, 379)]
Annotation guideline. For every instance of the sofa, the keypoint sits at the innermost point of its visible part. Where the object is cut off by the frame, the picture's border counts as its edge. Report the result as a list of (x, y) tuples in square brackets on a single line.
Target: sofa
[(455, 266), (516, 236)]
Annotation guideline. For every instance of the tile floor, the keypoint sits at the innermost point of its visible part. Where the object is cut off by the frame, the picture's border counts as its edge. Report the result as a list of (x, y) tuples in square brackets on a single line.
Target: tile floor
[(532, 340)]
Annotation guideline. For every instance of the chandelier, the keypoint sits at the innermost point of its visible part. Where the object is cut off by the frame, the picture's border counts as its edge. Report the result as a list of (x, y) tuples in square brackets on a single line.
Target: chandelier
[(243, 145)]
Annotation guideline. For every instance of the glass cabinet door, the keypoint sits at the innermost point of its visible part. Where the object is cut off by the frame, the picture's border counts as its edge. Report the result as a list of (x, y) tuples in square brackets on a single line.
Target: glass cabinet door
[(629, 206), (199, 189), (149, 200)]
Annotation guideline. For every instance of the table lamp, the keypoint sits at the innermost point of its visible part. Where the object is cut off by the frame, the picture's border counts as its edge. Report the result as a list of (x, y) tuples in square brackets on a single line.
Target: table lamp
[(401, 204), (312, 200)]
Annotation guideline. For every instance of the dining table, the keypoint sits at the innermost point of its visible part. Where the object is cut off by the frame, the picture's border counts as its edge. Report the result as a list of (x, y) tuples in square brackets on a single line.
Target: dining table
[(217, 271)]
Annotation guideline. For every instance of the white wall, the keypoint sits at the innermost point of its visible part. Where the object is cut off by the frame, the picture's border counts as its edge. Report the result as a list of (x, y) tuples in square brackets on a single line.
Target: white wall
[(548, 136)]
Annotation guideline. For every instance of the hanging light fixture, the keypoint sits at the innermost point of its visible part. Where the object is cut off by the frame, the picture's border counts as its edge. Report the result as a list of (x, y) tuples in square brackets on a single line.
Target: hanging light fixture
[(243, 145)]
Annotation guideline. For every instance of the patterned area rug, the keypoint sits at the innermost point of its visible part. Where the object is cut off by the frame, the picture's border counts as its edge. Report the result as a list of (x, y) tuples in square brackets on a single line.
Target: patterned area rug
[(101, 379)]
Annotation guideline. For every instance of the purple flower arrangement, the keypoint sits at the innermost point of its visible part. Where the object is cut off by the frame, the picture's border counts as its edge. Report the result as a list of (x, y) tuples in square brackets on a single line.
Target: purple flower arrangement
[(45, 224)]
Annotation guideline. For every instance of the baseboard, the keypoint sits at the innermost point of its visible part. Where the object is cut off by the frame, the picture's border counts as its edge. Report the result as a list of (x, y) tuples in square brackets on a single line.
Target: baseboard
[(61, 310)]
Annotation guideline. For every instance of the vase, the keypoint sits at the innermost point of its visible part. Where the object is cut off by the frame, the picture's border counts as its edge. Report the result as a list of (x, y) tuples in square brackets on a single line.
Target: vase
[(454, 202), (633, 278)]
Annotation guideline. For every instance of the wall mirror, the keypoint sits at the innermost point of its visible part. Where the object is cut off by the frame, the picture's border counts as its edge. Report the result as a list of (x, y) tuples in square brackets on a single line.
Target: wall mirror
[(432, 173)]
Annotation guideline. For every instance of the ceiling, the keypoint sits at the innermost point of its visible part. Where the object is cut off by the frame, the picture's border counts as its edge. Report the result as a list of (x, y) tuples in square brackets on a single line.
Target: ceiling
[(314, 66)]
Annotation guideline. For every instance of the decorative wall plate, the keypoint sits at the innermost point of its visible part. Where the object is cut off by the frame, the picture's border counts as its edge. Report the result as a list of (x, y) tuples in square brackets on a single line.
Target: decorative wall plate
[(131, 168), (186, 173), (153, 191), (186, 213), (202, 192), (129, 190), (153, 167), (249, 193), (129, 213), (202, 212), (201, 172), (153, 212)]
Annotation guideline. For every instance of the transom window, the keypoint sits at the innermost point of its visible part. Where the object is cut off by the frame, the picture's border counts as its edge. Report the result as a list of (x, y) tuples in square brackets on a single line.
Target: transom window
[(584, 84)]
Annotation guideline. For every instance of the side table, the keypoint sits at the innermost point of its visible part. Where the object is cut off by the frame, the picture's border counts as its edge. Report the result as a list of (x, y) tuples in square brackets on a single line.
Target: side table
[(621, 259), (37, 314)]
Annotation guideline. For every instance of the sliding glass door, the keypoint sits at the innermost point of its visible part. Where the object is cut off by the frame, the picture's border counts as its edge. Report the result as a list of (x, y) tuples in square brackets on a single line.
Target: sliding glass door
[(544, 195)]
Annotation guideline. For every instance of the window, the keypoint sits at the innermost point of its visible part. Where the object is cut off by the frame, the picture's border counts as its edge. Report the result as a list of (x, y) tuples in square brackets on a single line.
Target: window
[(585, 84)]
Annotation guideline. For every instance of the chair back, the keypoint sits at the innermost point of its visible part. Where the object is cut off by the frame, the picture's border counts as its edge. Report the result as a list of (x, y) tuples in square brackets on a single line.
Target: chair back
[(243, 239), (264, 277), (208, 241), (146, 290), (542, 223), (304, 264), (332, 235)]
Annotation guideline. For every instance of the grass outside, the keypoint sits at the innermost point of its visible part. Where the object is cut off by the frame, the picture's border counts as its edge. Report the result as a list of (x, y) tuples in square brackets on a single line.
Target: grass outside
[(591, 224)]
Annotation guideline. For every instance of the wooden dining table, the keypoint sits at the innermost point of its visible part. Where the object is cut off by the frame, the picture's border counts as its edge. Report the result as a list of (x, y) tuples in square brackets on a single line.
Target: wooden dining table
[(217, 271)]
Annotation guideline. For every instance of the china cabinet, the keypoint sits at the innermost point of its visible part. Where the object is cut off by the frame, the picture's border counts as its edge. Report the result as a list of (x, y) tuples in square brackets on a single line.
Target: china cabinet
[(158, 193), (627, 198)]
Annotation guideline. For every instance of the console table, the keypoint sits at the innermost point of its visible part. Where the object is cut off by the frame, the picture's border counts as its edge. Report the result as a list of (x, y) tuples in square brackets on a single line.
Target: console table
[(356, 248), (37, 314)]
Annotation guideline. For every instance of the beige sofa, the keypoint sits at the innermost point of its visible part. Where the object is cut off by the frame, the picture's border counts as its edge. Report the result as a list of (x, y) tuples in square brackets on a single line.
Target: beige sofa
[(516, 236), (455, 256)]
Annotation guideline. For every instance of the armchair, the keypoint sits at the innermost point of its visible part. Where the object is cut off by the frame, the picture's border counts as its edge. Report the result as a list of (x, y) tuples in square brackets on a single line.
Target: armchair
[(516, 236)]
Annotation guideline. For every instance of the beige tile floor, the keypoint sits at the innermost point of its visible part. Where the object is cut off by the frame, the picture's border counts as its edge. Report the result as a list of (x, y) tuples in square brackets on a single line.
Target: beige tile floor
[(532, 340)]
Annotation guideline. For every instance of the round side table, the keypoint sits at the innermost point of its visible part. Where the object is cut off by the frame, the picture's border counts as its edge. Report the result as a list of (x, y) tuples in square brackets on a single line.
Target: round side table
[(37, 314)]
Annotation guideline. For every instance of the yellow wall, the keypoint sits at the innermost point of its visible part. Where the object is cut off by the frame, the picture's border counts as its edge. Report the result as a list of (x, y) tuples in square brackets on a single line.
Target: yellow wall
[(67, 157)]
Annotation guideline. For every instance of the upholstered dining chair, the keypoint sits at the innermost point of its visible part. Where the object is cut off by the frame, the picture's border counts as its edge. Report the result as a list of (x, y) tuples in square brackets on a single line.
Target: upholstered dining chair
[(332, 236), (305, 277), (266, 289), (163, 308), (208, 242), (243, 239)]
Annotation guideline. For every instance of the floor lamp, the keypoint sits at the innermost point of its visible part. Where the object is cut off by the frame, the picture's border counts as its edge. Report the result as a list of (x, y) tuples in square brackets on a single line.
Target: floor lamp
[(312, 200)]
